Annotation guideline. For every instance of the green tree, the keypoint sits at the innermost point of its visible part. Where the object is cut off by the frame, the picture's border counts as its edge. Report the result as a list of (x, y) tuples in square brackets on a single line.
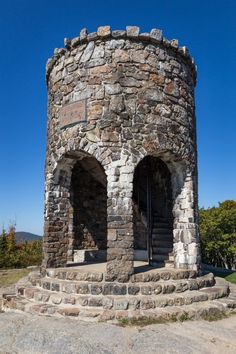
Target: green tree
[(218, 234), (3, 248)]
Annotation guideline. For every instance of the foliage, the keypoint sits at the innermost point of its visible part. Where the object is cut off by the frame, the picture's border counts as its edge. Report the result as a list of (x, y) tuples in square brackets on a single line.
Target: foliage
[(13, 255), (218, 234)]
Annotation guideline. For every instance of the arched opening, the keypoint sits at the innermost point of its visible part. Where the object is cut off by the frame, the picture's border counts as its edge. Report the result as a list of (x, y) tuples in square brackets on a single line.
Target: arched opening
[(89, 205), (152, 218)]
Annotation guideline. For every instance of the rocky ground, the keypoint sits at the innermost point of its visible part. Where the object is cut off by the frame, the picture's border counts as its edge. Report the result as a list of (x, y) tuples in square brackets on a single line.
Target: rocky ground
[(25, 333)]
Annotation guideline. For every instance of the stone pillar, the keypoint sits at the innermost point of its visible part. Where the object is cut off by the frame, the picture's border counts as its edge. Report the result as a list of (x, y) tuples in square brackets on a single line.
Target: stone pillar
[(120, 240), (186, 233), (57, 216)]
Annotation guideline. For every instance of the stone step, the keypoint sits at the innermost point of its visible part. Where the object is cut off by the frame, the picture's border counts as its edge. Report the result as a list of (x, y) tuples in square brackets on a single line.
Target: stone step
[(166, 263), (162, 231), (156, 217), (156, 257), (143, 283), (161, 237), (77, 274), (148, 294), (161, 225), (162, 243), (119, 302), (190, 305), (162, 250)]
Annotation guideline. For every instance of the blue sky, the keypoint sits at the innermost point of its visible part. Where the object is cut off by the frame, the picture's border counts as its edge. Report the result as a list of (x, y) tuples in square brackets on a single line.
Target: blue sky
[(29, 32)]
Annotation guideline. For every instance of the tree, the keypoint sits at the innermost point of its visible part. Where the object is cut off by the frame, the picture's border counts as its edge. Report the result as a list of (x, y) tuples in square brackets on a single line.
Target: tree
[(3, 242), (218, 234), (17, 255)]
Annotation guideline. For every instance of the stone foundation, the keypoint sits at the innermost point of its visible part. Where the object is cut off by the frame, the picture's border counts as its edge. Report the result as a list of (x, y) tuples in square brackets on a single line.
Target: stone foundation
[(154, 294)]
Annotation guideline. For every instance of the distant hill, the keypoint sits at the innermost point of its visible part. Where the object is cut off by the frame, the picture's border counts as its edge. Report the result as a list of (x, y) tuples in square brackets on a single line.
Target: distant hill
[(22, 236)]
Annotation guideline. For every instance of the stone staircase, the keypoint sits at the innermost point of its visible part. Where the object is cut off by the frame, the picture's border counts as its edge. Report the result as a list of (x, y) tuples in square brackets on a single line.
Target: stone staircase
[(162, 243), (158, 293)]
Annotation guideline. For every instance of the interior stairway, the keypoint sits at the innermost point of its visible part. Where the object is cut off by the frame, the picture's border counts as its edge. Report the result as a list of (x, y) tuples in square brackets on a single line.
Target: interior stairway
[(162, 242)]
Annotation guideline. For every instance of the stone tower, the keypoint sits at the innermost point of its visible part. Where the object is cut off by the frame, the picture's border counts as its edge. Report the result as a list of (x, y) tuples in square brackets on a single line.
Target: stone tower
[(121, 166), (121, 229)]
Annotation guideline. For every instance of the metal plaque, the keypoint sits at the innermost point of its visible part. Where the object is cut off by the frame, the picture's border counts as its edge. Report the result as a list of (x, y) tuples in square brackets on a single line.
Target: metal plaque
[(73, 113)]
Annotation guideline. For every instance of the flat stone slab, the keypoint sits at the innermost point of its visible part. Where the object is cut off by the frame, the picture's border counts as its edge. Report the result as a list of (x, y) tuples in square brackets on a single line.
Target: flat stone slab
[(24, 333)]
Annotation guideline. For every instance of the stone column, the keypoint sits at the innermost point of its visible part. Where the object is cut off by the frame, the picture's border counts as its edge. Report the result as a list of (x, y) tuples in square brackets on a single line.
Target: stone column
[(57, 217), (186, 233), (120, 238)]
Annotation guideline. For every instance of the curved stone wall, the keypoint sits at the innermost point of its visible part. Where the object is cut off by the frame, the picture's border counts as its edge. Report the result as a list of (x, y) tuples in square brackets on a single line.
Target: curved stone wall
[(119, 96)]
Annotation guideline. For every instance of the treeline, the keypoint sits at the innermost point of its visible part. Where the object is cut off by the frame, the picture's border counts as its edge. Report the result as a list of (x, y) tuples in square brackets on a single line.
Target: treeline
[(218, 234), (13, 255)]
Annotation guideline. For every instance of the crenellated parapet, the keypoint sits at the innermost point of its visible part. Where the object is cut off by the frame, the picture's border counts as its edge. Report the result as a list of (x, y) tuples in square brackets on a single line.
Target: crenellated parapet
[(154, 37)]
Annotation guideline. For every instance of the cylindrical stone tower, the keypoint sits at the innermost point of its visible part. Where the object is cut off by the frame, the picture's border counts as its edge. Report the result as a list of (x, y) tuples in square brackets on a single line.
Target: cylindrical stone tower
[(121, 166)]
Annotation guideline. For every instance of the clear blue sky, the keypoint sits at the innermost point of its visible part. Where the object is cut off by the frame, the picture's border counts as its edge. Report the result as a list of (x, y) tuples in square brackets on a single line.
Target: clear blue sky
[(29, 32)]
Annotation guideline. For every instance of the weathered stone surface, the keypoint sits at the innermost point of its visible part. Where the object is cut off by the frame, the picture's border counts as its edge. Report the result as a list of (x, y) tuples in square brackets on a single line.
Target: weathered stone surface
[(83, 34), (132, 31), (118, 33), (156, 34), (114, 289), (87, 52), (104, 31), (121, 304), (133, 289)]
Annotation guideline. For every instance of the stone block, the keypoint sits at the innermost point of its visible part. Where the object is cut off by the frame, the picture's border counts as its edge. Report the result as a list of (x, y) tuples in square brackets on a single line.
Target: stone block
[(95, 301), (95, 289), (104, 31), (83, 34), (118, 33), (73, 312), (132, 31), (146, 304), (156, 35), (56, 299), (55, 287), (121, 304), (114, 289), (168, 288), (107, 315), (146, 290), (107, 303), (82, 288), (133, 289)]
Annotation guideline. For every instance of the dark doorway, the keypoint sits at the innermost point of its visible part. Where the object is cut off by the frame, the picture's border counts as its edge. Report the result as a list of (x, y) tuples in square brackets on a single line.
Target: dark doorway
[(153, 222), (89, 204)]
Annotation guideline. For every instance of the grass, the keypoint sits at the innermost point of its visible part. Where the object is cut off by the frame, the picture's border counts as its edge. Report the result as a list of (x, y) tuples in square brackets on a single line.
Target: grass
[(215, 317), (229, 277), (139, 322), (11, 276), (147, 321)]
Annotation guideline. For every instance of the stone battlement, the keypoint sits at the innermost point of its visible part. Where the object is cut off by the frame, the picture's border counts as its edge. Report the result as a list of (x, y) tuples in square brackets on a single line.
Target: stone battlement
[(152, 38)]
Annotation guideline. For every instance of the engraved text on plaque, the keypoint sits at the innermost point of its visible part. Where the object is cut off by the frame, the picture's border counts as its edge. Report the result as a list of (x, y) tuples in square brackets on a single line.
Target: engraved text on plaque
[(73, 113)]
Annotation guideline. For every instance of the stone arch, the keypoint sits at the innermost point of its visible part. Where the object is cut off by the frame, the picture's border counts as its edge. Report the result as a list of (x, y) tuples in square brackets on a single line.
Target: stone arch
[(88, 199), (61, 226), (152, 211)]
